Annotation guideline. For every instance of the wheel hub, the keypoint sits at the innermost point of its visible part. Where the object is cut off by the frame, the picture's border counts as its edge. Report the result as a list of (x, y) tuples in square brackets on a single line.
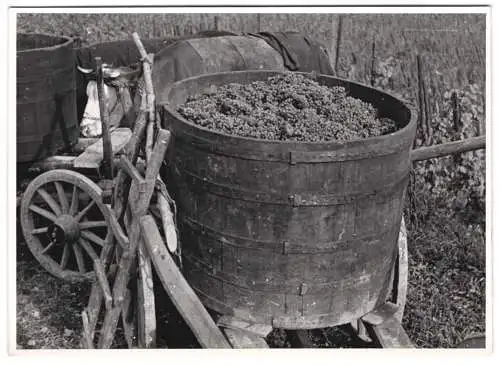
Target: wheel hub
[(64, 230)]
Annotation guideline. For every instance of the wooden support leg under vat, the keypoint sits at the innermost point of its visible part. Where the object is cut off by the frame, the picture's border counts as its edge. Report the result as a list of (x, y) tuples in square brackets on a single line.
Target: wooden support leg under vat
[(385, 329), (243, 334)]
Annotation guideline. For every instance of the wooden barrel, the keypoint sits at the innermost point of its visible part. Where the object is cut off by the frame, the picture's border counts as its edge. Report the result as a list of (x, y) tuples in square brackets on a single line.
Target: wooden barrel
[(46, 96), (297, 235)]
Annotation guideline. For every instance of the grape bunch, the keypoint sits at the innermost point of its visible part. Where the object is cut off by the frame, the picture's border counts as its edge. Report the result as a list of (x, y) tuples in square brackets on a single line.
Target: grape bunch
[(285, 107)]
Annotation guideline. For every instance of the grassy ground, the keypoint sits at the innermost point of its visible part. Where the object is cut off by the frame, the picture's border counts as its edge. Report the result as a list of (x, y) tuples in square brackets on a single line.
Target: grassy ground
[(446, 292)]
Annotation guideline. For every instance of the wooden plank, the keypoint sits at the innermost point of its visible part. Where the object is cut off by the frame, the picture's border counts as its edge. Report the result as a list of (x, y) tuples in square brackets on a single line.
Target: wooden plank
[(390, 334), (243, 340), (385, 329), (257, 329), (146, 314), (402, 272), (93, 155), (83, 143), (439, 150), (179, 291), (380, 314), (52, 163)]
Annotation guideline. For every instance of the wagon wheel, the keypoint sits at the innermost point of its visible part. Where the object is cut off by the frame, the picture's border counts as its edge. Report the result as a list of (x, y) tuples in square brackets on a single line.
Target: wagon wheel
[(65, 223)]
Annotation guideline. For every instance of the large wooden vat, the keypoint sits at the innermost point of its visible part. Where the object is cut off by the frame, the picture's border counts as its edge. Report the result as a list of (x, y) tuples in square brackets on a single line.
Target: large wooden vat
[(46, 96), (298, 235)]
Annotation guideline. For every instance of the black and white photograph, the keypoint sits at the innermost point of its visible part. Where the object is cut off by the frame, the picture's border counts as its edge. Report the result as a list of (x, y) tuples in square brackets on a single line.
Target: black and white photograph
[(250, 178)]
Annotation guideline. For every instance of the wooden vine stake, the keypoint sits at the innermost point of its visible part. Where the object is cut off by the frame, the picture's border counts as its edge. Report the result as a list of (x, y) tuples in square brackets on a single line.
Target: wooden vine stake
[(372, 71), (337, 45), (425, 117)]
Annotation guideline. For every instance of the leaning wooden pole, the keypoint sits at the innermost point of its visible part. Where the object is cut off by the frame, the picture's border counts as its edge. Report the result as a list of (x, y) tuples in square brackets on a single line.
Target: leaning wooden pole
[(150, 96), (471, 144), (103, 110)]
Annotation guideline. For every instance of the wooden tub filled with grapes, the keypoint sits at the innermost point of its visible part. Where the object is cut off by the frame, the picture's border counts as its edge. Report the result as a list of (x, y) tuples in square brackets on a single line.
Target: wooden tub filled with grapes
[(290, 191)]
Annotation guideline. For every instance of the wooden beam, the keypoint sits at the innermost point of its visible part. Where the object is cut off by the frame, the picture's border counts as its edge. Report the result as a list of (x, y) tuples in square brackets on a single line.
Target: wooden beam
[(179, 291), (139, 204), (439, 150), (127, 167)]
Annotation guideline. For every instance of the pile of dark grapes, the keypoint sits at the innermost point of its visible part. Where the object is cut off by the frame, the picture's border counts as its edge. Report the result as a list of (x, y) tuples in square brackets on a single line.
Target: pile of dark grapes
[(286, 107)]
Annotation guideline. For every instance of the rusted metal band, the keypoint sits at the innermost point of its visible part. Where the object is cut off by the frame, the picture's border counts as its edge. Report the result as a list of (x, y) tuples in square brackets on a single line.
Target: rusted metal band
[(197, 183)]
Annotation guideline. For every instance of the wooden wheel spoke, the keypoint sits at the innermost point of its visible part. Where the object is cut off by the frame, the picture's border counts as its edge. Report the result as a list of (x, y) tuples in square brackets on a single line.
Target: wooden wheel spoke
[(62, 197), (65, 256), (80, 215), (49, 200), (43, 212), (48, 247), (90, 236), (40, 230), (74, 201), (92, 224), (79, 258), (88, 248)]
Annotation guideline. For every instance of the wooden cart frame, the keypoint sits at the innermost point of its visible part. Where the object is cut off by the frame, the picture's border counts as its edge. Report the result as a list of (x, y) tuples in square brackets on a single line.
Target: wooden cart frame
[(131, 243)]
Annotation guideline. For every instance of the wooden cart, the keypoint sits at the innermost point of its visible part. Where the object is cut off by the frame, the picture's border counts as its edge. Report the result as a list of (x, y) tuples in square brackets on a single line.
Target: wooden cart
[(110, 230)]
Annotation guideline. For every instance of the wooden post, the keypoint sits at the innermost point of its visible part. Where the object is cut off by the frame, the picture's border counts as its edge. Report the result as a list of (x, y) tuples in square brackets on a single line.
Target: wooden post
[(372, 72), (216, 23), (421, 104), (258, 23), (106, 139), (337, 46), (456, 113)]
